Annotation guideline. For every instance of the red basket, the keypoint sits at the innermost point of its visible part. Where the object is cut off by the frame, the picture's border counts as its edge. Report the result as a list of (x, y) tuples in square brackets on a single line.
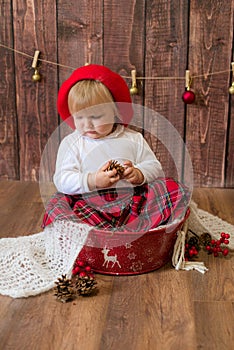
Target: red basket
[(121, 253)]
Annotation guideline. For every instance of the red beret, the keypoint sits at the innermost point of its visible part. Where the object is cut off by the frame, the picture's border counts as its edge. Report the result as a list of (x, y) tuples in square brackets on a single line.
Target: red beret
[(113, 81)]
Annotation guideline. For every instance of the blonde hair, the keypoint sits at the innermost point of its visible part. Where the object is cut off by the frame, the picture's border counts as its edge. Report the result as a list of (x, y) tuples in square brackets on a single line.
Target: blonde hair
[(87, 93)]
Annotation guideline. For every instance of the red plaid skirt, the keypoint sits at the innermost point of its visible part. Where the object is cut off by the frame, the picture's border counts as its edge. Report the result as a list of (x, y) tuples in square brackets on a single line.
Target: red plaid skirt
[(133, 209)]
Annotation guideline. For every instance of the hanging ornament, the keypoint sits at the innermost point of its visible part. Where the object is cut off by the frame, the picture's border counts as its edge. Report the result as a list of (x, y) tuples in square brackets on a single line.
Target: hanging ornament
[(36, 76), (133, 89), (231, 89), (188, 96)]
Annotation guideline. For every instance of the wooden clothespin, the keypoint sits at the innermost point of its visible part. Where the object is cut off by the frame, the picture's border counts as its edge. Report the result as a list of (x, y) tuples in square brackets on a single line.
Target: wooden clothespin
[(188, 80)]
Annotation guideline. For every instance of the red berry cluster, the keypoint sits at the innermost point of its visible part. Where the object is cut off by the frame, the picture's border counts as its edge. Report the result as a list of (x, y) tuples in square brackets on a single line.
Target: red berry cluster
[(219, 246), (191, 248), (82, 269)]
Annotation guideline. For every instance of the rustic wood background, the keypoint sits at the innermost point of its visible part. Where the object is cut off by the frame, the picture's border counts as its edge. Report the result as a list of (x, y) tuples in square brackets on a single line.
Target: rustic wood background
[(158, 38)]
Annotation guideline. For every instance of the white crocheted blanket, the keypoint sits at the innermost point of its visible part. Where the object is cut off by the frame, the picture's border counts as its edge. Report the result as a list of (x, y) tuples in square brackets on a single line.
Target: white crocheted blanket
[(201, 221), (29, 265)]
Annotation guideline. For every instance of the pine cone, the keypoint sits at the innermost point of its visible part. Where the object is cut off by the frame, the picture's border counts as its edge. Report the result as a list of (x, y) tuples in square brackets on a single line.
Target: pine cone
[(205, 239), (193, 241), (116, 165), (86, 285), (64, 290)]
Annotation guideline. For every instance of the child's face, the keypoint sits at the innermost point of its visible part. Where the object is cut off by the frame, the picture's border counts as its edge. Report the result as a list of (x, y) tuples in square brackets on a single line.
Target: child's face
[(95, 122)]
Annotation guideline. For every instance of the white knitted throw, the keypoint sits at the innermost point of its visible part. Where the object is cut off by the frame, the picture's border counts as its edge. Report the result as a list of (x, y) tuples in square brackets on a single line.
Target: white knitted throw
[(29, 265)]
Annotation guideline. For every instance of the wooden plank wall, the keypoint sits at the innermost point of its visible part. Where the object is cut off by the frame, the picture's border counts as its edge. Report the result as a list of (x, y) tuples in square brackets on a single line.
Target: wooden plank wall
[(158, 38)]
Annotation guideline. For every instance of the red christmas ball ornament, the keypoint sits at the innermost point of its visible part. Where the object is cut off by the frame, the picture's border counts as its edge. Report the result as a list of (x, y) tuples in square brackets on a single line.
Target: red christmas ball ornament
[(188, 97)]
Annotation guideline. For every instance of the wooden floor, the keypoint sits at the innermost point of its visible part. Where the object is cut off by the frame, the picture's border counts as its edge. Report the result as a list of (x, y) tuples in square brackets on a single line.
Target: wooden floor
[(161, 310)]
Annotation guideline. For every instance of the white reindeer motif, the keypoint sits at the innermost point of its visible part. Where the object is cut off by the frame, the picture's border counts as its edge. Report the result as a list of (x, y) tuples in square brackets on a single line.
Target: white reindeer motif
[(108, 258)]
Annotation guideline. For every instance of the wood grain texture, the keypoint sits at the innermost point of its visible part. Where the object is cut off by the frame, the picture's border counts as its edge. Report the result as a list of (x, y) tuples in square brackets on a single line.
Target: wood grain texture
[(79, 34), (80, 37), (216, 201), (166, 47), (18, 202), (123, 41), (123, 44), (163, 309), (209, 326), (220, 279), (229, 179), (55, 325), (207, 118), (34, 28), (9, 158), (145, 308)]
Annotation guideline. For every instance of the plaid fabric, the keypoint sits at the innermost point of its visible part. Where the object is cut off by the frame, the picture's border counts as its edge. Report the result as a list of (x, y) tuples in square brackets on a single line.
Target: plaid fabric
[(125, 209)]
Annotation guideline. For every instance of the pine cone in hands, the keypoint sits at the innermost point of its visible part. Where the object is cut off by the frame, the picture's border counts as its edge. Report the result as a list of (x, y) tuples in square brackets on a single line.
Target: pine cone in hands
[(116, 165)]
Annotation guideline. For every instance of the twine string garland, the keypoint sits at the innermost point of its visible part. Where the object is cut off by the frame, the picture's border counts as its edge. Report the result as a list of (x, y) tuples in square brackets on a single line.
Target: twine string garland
[(123, 76)]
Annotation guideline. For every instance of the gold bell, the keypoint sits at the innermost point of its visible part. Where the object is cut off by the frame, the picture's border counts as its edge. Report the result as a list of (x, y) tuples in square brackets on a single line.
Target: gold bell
[(231, 89), (36, 76), (134, 89)]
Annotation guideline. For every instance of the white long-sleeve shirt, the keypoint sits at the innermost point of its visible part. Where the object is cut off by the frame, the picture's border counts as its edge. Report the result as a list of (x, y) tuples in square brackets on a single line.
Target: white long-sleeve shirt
[(80, 155)]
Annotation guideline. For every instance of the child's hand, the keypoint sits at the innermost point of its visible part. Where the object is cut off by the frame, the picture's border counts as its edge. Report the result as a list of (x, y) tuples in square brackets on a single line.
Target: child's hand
[(131, 174), (103, 178)]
